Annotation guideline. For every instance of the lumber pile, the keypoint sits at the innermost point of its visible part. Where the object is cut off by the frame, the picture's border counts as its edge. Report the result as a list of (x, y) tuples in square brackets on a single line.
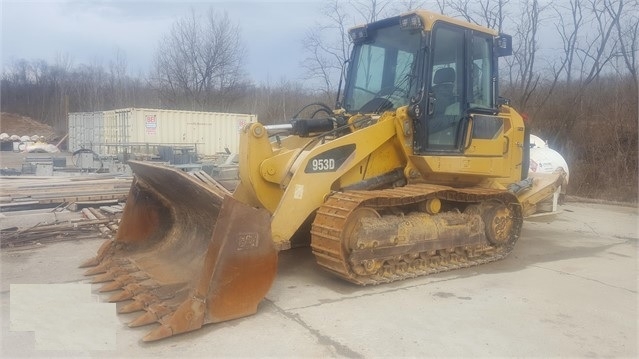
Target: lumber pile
[(89, 223), (78, 207), (28, 192), (86, 206)]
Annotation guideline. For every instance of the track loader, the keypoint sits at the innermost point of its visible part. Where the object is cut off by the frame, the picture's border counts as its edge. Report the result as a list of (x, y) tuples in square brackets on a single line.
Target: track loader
[(419, 168)]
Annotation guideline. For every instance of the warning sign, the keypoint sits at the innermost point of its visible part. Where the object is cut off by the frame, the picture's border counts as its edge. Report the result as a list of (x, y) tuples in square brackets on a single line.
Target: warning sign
[(151, 124)]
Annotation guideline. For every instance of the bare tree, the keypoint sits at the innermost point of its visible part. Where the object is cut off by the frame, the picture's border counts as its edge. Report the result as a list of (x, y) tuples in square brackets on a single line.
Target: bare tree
[(327, 48), (568, 31), (489, 13), (199, 60), (598, 51), (627, 31), (523, 75), (493, 13), (442, 6), (327, 44), (117, 79), (568, 27), (408, 5), (369, 10), (462, 8)]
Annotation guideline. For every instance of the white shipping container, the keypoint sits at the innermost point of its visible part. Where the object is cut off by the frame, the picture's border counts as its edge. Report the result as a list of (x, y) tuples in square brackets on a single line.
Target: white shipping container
[(86, 129), (210, 132)]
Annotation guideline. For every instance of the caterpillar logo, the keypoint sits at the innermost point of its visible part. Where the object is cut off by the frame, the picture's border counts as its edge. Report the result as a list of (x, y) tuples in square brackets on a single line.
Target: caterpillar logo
[(247, 241)]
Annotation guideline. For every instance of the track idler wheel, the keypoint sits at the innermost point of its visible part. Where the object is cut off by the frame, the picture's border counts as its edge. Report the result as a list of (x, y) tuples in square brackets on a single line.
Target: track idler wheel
[(500, 224)]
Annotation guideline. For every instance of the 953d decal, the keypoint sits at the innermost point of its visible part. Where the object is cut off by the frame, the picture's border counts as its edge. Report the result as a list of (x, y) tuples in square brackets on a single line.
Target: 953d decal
[(330, 160)]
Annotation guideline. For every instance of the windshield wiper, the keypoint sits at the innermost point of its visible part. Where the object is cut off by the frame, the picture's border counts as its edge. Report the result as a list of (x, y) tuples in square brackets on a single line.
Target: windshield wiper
[(399, 86)]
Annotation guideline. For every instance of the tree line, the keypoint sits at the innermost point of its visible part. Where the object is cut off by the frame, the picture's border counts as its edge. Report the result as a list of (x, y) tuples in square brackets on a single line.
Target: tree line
[(573, 73)]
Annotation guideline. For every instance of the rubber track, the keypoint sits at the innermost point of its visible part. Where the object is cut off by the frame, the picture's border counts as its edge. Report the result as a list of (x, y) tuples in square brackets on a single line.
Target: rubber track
[(331, 217)]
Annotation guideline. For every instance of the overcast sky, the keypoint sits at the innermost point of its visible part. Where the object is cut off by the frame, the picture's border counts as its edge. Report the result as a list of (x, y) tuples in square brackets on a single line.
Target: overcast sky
[(92, 32)]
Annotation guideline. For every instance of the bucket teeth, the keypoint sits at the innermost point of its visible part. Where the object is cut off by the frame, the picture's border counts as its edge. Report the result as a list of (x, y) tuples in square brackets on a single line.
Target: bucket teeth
[(112, 274), (173, 293), (120, 297), (140, 302), (152, 315), (124, 280), (99, 268), (131, 290), (101, 278), (161, 332), (188, 316), (110, 287), (144, 319), (128, 292), (96, 270), (104, 252), (106, 264), (135, 306), (91, 262)]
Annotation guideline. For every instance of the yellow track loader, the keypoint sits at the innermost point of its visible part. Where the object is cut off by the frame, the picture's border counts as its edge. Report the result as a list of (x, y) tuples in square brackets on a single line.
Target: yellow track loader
[(419, 168)]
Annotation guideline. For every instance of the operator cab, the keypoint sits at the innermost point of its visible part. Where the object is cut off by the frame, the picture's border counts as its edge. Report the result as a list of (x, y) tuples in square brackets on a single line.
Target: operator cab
[(443, 69)]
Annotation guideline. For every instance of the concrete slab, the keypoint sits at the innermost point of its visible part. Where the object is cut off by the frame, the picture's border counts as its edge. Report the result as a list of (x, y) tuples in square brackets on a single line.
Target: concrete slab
[(568, 289)]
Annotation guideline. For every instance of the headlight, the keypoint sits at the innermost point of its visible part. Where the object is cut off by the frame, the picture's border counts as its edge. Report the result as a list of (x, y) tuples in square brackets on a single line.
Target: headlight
[(410, 22), (358, 34)]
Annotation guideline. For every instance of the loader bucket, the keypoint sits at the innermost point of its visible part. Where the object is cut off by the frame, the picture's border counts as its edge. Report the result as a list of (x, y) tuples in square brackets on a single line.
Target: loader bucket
[(186, 252)]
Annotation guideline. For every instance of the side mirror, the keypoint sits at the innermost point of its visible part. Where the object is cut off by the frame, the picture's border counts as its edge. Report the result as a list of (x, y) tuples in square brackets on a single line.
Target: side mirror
[(503, 45)]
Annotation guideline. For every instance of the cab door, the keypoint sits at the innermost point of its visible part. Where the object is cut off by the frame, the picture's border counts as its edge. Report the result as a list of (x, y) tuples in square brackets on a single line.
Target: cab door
[(446, 96), (461, 88)]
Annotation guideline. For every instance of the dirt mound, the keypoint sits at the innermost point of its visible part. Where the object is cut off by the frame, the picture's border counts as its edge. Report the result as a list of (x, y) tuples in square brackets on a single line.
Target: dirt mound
[(14, 124)]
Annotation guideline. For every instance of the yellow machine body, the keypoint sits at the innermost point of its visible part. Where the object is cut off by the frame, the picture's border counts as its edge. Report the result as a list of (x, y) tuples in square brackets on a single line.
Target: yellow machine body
[(418, 169)]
